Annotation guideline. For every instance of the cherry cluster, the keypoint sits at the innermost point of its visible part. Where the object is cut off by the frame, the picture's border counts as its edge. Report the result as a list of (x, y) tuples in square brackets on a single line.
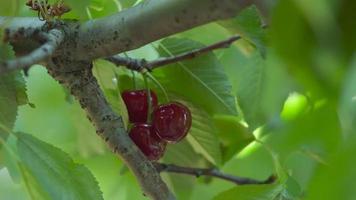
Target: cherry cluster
[(170, 122)]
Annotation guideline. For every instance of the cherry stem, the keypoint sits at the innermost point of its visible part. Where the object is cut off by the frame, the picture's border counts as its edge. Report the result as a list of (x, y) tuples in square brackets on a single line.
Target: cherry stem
[(158, 84), (149, 99), (134, 79)]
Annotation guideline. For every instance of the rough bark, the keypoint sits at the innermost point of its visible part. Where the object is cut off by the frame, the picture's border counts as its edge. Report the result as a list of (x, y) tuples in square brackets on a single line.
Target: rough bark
[(78, 78)]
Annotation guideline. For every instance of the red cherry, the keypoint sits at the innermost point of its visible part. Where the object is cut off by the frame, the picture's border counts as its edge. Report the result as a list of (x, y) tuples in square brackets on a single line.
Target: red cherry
[(172, 121), (137, 105), (147, 141)]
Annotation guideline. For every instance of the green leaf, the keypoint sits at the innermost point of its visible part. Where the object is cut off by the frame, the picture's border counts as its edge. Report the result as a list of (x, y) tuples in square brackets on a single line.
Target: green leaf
[(78, 9), (347, 102), (105, 73), (315, 131), (117, 103), (335, 180), (9, 8), (56, 173), (292, 189), (249, 25), (201, 80), (233, 134), (11, 159), (33, 188), (251, 192), (12, 91), (203, 134), (261, 85), (309, 42), (102, 8), (183, 154)]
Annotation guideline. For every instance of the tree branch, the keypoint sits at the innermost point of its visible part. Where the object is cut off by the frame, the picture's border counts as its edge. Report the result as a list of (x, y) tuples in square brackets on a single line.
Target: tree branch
[(53, 39), (16, 28), (149, 21), (192, 54), (210, 172), (77, 77), (140, 64), (133, 27)]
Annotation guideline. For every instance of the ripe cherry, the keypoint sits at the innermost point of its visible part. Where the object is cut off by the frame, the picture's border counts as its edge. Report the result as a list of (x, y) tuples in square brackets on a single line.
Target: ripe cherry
[(137, 104), (147, 141), (172, 121)]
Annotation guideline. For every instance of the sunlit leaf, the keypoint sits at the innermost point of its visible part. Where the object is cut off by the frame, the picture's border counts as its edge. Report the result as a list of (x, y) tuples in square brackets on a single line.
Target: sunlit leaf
[(233, 134)]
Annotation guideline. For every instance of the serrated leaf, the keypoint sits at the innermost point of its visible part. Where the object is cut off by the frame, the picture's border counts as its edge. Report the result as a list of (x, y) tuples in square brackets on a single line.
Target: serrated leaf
[(249, 25), (56, 173), (251, 77), (251, 192), (12, 91), (201, 80), (203, 134)]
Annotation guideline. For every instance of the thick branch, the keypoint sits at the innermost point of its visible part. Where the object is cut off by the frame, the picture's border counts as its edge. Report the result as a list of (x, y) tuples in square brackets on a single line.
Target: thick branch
[(20, 27), (149, 21), (53, 39), (78, 78), (134, 27), (139, 64), (210, 172)]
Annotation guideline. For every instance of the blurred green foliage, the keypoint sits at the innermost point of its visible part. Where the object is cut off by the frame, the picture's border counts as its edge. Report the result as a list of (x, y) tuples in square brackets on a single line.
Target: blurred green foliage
[(291, 86)]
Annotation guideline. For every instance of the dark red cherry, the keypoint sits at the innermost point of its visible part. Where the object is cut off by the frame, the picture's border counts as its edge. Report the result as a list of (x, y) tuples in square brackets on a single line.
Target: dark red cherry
[(137, 105), (147, 141), (172, 121)]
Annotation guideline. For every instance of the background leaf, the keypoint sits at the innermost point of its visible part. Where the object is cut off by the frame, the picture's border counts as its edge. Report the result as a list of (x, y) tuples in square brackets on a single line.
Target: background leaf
[(248, 24), (55, 171), (253, 192)]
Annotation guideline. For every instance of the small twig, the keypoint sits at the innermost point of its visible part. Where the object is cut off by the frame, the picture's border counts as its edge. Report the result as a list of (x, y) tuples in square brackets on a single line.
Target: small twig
[(211, 172), (53, 39), (130, 63), (140, 64), (192, 54)]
